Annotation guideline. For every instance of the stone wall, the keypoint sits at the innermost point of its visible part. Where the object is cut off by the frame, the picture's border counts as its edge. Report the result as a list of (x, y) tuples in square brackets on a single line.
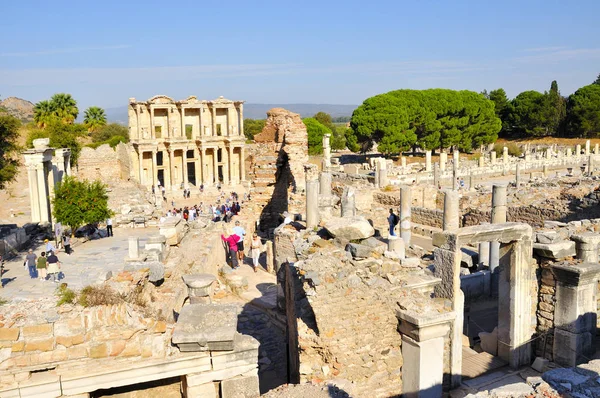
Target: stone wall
[(80, 333), (104, 163), (545, 312), (429, 217), (532, 215)]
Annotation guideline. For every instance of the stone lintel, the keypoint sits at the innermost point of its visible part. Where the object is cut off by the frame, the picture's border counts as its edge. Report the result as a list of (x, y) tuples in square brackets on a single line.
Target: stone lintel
[(576, 274), (587, 237), (503, 233), (202, 327), (425, 326)]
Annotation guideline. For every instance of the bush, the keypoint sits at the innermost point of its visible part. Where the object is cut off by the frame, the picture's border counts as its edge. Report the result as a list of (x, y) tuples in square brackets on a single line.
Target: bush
[(513, 149), (91, 296), (65, 295)]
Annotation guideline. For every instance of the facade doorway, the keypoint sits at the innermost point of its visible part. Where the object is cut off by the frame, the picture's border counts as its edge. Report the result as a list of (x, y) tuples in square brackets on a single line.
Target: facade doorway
[(191, 170)]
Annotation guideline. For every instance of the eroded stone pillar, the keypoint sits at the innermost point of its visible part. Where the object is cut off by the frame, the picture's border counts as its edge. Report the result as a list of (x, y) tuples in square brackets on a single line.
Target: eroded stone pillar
[(382, 173), (326, 151), (34, 198), (518, 175), (312, 196), (451, 218), (403, 162), (405, 213), (423, 348), (428, 161), (569, 152), (436, 175), (325, 183), (493, 157), (348, 202), (443, 160), (575, 312), (499, 211), (43, 193)]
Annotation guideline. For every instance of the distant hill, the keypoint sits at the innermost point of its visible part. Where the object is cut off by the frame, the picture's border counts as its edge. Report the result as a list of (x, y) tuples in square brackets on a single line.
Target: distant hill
[(17, 107), (257, 111)]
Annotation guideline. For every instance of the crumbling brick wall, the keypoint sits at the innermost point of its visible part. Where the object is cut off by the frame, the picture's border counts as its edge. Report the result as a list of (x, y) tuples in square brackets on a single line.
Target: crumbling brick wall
[(104, 163)]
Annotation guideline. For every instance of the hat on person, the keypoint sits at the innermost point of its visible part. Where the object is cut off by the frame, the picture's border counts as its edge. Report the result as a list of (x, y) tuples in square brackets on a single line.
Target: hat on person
[(45, 240)]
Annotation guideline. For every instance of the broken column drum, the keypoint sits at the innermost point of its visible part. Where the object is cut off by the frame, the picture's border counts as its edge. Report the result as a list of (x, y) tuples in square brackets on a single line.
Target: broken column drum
[(325, 183), (200, 287), (586, 246)]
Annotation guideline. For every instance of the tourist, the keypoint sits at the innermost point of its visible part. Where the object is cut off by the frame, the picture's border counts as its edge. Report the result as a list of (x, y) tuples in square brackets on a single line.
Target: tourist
[(219, 186), (255, 248), (41, 266), (30, 263), (184, 193), (393, 221), (164, 193), (238, 208), (201, 188), (241, 232), (67, 243), (109, 231), (232, 241), (49, 246), (53, 266)]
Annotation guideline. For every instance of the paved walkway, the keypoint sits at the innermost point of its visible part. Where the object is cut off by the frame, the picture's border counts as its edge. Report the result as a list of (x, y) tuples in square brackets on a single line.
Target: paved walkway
[(87, 265)]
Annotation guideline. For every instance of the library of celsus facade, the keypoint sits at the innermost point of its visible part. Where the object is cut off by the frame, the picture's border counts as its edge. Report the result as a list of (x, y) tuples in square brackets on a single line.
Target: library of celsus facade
[(187, 142)]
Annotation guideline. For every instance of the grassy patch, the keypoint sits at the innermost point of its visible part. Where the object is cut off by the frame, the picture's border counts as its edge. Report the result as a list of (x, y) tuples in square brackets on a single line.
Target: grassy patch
[(65, 295)]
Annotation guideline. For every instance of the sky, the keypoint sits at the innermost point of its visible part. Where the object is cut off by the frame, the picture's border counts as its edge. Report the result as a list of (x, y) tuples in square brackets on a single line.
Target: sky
[(277, 52)]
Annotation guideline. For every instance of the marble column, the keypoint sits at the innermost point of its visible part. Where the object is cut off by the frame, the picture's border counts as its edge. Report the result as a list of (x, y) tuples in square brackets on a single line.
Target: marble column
[(382, 173), (154, 173), (587, 148), (428, 161), (325, 183), (225, 161), (205, 179), (34, 197), (493, 158), (499, 212), (403, 163), (243, 163), (348, 202), (215, 166), (312, 196), (43, 192), (518, 175), (405, 213), (451, 218), (141, 156), (184, 168), (134, 248), (569, 152), (597, 149), (326, 152), (443, 160), (578, 150), (423, 348), (455, 178), (481, 161), (436, 175), (172, 176), (197, 166), (456, 158), (505, 155), (575, 312)]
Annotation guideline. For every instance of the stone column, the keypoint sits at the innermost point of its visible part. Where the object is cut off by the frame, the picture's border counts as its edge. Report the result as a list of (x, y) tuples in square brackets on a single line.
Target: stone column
[(270, 266), (578, 150), (182, 124), (436, 175), (575, 312), (471, 181), (403, 162), (443, 160), (184, 170), (484, 253), (141, 155), (204, 166), (154, 173), (325, 183), (134, 247), (312, 196), (493, 157), (243, 163), (348, 202), (405, 213), (397, 246), (428, 161), (587, 148), (326, 152), (586, 246), (505, 155), (456, 158), (43, 193), (596, 149), (455, 178), (481, 161), (451, 218), (34, 197), (545, 170), (423, 348), (215, 166), (197, 166), (382, 173), (225, 160), (518, 175), (499, 211), (569, 152), (172, 176)]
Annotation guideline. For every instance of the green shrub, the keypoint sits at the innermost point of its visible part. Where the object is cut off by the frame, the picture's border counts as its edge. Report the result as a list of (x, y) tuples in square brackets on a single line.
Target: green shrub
[(513, 149), (65, 295)]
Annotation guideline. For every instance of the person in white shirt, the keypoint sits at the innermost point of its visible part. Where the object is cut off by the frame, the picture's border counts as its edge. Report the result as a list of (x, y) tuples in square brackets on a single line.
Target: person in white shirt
[(241, 232)]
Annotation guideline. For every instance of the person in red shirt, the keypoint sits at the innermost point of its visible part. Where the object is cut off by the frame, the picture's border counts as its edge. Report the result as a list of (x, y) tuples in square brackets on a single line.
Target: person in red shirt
[(232, 241)]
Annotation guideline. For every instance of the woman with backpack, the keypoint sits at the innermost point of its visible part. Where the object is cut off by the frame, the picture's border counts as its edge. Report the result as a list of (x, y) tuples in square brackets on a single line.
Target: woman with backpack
[(393, 221)]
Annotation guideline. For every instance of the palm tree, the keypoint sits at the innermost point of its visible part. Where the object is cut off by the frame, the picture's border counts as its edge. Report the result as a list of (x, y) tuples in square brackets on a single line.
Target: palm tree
[(43, 113), (65, 107), (94, 117)]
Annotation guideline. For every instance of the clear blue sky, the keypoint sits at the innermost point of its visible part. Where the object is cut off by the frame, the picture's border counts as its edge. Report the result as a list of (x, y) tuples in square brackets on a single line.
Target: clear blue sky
[(338, 52)]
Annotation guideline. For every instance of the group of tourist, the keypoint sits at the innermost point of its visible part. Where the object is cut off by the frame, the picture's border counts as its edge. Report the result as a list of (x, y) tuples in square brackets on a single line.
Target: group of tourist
[(235, 247), (46, 266)]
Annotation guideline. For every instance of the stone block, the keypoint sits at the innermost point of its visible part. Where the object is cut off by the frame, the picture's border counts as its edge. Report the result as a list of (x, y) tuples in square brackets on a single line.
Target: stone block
[(571, 349), (375, 244), (9, 334), (99, 350), (489, 341), (68, 341), (156, 271), (359, 251), (350, 228), (37, 330), (540, 364), (547, 237), (218, 375), (40, 345), (208, 390), (76, 352), (240, 387), (555, 251), (202, 327)]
